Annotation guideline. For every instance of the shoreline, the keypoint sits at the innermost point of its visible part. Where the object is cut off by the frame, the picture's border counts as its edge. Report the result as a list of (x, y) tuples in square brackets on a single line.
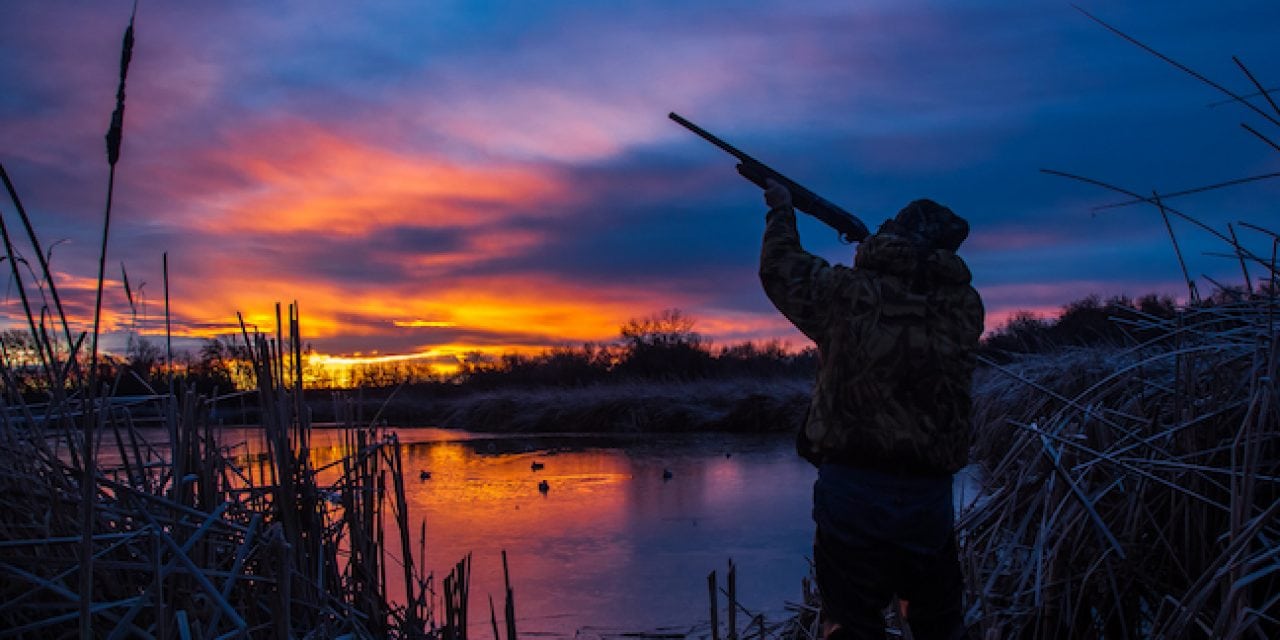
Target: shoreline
[(735, 405)]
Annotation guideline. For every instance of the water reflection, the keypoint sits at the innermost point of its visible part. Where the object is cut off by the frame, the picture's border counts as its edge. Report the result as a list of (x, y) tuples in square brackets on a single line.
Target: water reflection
[(612, 542)]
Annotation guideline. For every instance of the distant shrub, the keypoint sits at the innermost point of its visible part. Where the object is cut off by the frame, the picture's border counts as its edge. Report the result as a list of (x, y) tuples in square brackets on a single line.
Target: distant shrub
[(1088, 322)]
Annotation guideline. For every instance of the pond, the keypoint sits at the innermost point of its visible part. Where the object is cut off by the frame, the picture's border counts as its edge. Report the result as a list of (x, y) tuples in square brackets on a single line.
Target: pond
[(625, 532), (628, 528), (624, 535)]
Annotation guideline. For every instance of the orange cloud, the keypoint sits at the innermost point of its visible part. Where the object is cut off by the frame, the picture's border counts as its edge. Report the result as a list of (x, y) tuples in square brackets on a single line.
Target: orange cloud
[(77, 295), (304, 178), (424, 323), (536, 307), (530, 312)]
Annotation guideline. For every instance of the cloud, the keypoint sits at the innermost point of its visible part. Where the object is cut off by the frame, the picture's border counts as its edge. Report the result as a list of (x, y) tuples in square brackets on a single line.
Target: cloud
[(496, 173), (296, 176)]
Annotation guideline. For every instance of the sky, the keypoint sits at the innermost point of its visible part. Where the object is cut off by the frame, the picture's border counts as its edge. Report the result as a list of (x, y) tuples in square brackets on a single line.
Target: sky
[(431, 178)]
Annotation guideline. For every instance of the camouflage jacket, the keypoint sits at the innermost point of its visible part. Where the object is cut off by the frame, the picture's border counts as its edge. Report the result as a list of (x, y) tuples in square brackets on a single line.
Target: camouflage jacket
[(896, 336)]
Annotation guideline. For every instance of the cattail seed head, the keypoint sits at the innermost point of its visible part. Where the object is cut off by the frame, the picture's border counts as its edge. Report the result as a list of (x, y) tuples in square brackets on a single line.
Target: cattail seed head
[(115, 133)]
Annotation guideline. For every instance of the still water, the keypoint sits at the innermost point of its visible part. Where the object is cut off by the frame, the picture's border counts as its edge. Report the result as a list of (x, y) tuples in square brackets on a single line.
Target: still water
[(612, 544)]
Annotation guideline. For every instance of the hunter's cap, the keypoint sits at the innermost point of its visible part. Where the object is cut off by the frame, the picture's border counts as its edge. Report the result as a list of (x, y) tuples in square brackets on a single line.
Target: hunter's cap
[(932, 225)]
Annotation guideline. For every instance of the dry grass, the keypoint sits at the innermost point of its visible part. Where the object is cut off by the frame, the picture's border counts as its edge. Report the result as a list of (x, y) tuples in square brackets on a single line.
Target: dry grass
[(1127, 493), (1133, 493), (194, 540), (103, 535)]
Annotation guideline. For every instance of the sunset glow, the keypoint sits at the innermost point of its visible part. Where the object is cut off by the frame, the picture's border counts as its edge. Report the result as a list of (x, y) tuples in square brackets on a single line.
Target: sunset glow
[(429, 182), (325, 318)]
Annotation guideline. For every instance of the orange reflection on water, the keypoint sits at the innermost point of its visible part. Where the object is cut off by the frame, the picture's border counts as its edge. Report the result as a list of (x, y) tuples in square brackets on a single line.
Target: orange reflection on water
[(612, 542), (491, 495)]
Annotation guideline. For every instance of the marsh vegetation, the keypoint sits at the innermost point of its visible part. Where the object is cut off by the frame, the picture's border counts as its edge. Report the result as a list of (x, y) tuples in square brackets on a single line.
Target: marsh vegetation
[(1128, 452)]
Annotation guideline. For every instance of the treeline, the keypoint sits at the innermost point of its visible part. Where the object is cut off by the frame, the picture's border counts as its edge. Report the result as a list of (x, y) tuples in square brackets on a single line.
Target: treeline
[(1087, 322), (663, 346), (218, 367), (1120, 322)]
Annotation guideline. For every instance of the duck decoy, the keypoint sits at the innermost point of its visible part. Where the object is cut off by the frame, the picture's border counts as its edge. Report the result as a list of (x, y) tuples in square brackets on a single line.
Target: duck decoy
[(425, 475), (535, 465), (666, 474)]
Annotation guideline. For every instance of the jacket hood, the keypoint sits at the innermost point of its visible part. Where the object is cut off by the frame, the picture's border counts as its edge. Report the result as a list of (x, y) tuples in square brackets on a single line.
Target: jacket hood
[(890, 253), (945, 266)]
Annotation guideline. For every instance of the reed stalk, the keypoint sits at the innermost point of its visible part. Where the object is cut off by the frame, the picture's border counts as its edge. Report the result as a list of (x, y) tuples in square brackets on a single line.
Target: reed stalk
[(1122, 513), (195, 543)]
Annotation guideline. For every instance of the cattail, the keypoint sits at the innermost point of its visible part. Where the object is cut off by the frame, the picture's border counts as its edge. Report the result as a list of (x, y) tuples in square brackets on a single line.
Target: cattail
[(128, 292), (115, 134)]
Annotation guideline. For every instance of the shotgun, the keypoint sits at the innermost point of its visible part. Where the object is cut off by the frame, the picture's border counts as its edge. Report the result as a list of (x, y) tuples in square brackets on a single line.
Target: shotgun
[(846, 224)]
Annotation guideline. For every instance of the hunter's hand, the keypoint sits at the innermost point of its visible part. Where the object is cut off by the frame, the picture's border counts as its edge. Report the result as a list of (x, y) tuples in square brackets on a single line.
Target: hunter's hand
[(776, 195)]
